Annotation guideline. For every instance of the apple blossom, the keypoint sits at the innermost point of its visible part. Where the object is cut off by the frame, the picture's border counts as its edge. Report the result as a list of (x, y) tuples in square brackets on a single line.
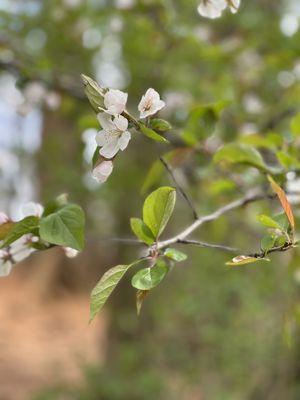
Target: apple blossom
[(102, 171), (150, 103), (70, 253), (115, 101), (114, 136), (32, 209), (3, 218), (212, 8), (234, 5)]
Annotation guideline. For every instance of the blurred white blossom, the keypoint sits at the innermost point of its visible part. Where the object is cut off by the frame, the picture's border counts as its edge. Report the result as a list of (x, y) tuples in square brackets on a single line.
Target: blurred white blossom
[(102, 171), (70, 253), (32, 209), (150, 103), (214, 8), (113, 136), (115, 101)]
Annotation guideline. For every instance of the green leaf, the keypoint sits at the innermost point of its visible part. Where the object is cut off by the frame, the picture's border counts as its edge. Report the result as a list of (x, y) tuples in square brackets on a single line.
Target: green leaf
[(268, 221), (93, 92), (267, 242), (56, 204), (142, 231), (105, 287), (20, 228), (242, 260), (236, 153), (64, 227), (175, 255), (295, 125), (286, 160), (160, 125), (149, 278), (96, 157), (282, 221), (150, 133), (158, 208)]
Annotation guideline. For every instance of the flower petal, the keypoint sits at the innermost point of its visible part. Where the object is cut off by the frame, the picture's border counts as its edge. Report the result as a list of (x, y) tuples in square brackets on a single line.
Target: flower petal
[(110, 149), (115, 101), (32, 209), (105, 121), (103, 137), (121, 123), (124, 140), (5, 268), (102, 171)]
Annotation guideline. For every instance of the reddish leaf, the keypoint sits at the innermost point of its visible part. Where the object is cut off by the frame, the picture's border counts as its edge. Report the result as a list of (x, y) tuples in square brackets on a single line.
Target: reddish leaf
[(283, 200)]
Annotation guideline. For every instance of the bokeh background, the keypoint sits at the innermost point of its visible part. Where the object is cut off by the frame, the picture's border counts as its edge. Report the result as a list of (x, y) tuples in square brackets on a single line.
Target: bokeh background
[(207, 332)]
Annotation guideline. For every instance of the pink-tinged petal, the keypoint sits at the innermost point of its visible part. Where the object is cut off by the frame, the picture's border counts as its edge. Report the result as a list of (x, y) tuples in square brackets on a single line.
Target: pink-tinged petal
[(124, 140), (110, 149), (121, 123), (152, 94), (102, 138), (3, 218), (103, 171)]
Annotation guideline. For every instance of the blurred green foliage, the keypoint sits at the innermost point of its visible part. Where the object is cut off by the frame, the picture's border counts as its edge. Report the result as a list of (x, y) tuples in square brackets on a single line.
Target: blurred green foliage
[(207, 332)]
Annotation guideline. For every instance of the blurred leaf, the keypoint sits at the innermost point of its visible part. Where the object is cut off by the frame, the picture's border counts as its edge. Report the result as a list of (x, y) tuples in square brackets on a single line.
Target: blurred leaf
[(271, 141), (150, 133), (160, 125), (142, 231), (174, 158), (295, 125), (140, 297), (175, 254), (241, 260), (236, 153), (202, 121), (158, 208), (20, 228), (282, 220), (55, 204), (149, 278), (268, 221), (286, 160), (283, 200), (267, 242), (65, 227)]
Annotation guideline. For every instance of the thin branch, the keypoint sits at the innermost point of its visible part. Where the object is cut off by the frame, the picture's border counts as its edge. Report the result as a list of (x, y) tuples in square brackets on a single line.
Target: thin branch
[(208, 245), (213, 216), (180, 188)]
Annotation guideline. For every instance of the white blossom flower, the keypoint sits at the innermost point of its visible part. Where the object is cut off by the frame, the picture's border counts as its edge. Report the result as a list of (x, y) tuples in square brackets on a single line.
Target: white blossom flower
[(3, 218), (114, 135), (115, 101), (234, 5), (150, 103), (212, 8), (70, 253), (102, 171), (32, 209), (5, 263)]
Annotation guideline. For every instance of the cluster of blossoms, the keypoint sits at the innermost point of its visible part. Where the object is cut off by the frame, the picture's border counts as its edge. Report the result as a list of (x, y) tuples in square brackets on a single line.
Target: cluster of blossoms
[(22, 248), (214, 8), (114, 135)]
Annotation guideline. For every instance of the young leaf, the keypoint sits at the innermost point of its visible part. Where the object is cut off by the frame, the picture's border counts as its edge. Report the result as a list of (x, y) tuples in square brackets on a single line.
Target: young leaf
[(105, 287), (20, 228), (268, 221), (267, 242), (150, 133), (149, 278), (64, 227), (56, 204), (282, 221), (140, 296), (175, 255), (160, 125), (237, 153), (283, 200), (142, 231), (158, 208), (241, 260), (93, 92)]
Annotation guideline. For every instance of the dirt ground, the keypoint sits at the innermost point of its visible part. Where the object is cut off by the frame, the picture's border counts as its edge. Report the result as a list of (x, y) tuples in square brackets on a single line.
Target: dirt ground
[(43, 339)]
